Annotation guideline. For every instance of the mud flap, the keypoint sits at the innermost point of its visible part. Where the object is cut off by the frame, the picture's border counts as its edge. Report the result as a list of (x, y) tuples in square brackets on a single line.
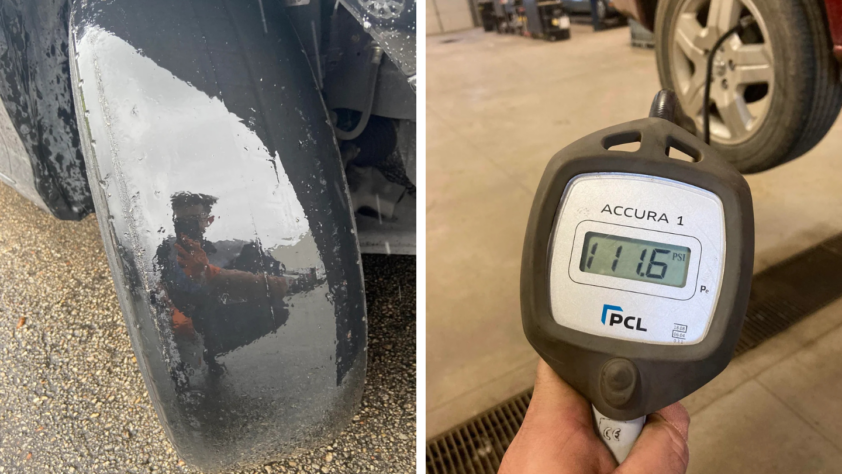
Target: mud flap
[(224, 210)]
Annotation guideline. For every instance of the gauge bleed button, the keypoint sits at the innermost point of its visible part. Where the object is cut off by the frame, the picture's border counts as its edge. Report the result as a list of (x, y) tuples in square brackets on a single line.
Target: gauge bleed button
[(618, 381)]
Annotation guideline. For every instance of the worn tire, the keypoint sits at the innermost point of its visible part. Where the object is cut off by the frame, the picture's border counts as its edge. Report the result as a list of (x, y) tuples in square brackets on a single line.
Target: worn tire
[(204, 105), (807, 96)]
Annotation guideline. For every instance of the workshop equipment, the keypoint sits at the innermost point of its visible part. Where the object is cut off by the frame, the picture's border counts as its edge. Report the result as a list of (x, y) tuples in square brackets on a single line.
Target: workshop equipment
[(546, 19)]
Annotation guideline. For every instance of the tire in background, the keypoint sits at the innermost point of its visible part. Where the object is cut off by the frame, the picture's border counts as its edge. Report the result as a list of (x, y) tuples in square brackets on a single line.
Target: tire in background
[(808, 92)]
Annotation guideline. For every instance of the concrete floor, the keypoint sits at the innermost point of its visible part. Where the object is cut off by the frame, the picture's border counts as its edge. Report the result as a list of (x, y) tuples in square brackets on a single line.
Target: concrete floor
[(498, 107)]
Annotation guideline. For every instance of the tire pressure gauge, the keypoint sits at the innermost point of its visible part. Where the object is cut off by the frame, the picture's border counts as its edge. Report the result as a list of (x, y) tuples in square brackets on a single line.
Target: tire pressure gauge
[(636, 270)]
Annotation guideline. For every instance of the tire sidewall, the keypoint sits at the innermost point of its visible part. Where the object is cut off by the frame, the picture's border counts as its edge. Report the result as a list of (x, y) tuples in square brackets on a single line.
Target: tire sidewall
[(794, 69)]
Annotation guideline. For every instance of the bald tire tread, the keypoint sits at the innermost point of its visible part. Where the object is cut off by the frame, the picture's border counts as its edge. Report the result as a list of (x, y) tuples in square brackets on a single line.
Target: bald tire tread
[(261, 72), (808, 92)]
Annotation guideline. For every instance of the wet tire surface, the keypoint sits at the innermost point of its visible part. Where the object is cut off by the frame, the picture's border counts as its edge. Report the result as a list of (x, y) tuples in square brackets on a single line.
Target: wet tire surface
[(72, 398)]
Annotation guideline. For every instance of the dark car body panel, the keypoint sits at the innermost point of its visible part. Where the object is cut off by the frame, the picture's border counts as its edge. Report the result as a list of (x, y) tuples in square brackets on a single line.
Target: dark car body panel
[(392, 24), (213, 101), (347, 73), (35, 89)]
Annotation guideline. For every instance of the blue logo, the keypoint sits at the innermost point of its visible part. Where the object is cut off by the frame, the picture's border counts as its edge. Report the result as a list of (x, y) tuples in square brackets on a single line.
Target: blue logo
[(606, 308), (634, 323)]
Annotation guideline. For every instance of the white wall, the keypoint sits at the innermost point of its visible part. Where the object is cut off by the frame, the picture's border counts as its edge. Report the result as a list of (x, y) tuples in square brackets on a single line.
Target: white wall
[(444, 16)]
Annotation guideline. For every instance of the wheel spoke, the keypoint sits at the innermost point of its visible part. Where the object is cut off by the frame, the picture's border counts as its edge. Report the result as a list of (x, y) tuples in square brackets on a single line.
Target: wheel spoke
[(735, 67), (753, 74), (691, 95), (723, 15), (694, 101), (752, 55), (687, 33), (735, 115), (753, 65)]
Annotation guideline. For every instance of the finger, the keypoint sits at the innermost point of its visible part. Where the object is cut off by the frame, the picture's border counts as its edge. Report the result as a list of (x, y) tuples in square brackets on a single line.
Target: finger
[(662, 445), (677, 416), (557, 434), (553, 395)]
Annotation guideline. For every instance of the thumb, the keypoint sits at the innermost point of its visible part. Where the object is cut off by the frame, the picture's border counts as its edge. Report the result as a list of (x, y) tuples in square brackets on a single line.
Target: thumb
[(662, 445)]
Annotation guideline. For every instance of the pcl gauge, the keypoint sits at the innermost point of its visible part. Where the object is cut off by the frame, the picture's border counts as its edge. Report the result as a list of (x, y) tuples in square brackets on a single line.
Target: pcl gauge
[(636, 269)]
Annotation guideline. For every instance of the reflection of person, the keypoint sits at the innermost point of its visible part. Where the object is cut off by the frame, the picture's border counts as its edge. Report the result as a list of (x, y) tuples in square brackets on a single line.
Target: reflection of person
[(557, 437), (192, 217), (229, 293)]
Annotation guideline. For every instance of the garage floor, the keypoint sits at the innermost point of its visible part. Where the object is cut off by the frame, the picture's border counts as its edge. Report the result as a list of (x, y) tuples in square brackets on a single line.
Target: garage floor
[(498, 107)]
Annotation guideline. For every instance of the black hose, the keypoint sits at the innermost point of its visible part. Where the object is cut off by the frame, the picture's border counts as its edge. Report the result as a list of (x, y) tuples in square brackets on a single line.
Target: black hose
[(744, 23), (373, 68)]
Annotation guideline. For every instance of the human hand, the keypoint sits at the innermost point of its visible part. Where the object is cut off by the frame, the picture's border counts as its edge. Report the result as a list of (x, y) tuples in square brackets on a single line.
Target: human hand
[(192, 258), (558, 437)]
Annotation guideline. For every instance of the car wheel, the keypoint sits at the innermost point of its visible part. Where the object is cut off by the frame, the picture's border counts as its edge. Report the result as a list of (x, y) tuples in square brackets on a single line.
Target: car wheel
[(775, 88)]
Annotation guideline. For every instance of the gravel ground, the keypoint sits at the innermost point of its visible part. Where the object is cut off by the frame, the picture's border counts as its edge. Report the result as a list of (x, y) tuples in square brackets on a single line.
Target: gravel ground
[(72, 398)]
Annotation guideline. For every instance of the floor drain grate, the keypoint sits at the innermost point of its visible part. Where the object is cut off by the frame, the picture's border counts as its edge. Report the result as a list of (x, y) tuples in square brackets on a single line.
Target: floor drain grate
[(478, 445), (780, 296), (791, 290)]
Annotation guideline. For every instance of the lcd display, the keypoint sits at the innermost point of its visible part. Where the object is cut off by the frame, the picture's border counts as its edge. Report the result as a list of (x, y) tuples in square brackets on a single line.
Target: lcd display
[(635, 259)]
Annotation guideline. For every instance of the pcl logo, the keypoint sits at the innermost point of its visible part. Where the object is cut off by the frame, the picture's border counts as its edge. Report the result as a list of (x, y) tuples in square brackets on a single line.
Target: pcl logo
[(618, 318)]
